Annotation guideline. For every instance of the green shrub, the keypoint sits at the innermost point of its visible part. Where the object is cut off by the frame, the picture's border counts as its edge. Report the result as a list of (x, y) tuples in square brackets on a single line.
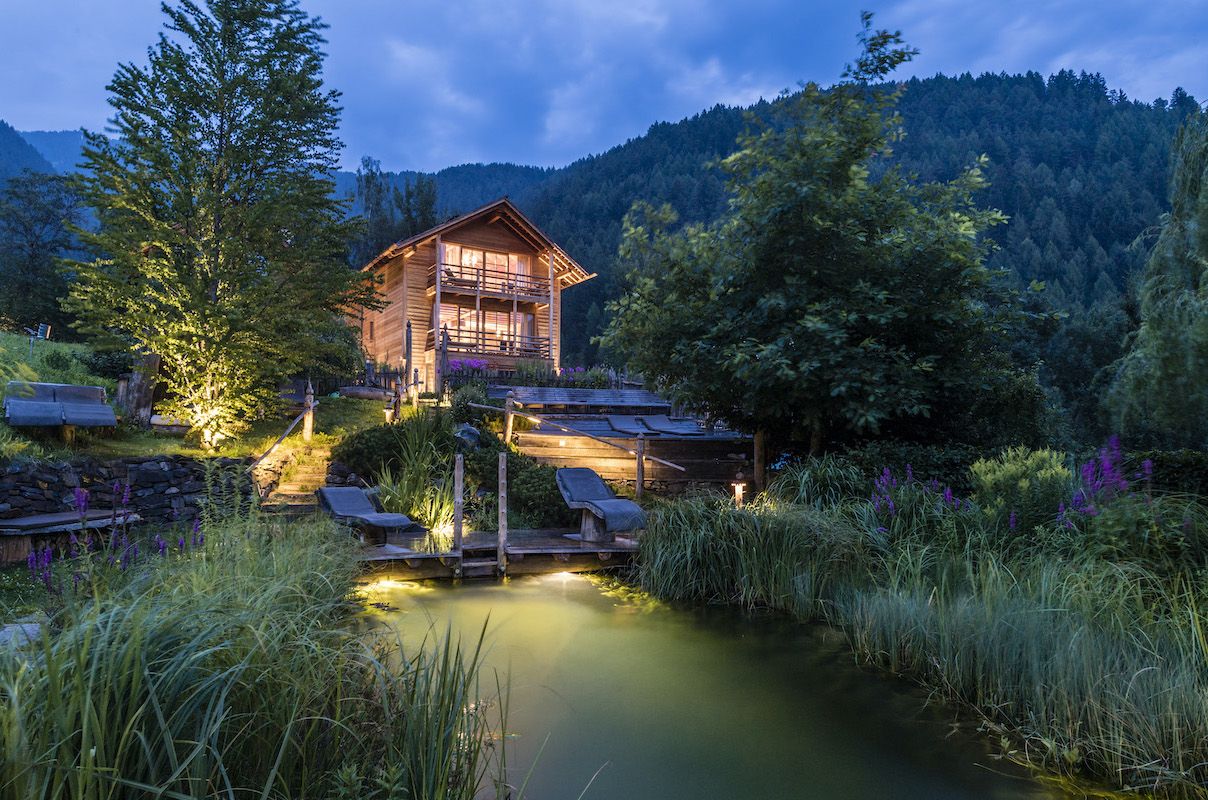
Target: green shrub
[(948, 464), (470, 393), (1167, 534), (819, 482), (58, 361), (110, 364), (1178, 471), (1022, 487), (406, 444), (533, 497)]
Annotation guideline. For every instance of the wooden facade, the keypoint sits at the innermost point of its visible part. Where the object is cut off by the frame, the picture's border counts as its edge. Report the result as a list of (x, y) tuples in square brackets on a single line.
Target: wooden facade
[(489, 279)]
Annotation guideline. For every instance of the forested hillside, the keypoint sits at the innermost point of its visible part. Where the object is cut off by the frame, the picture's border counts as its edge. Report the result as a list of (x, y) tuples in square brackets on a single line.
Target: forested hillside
[(16, 154), (60, 148), (1081, 171)]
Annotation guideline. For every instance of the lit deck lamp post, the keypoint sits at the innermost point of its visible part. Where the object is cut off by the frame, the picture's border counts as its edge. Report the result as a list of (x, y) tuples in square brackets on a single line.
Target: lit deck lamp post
[(739, 491), (308, 421)]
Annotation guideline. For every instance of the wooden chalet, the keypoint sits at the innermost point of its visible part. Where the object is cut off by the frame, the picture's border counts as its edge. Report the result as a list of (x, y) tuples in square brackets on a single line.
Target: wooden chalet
[(490, 279)]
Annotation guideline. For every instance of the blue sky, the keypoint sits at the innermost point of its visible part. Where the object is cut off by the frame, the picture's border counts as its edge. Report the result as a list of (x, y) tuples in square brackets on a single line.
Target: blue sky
[(433, 83)]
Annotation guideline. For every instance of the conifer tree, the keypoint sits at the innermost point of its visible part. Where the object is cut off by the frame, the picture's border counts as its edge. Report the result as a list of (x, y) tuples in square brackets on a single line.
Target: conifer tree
[(220, 247)]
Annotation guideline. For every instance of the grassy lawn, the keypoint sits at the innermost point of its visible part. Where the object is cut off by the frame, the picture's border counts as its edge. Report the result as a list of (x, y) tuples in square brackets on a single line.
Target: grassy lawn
[(59, 362)]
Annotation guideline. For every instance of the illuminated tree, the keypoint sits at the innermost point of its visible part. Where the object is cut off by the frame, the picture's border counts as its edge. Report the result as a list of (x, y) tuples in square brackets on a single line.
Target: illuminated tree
[(220, 247)]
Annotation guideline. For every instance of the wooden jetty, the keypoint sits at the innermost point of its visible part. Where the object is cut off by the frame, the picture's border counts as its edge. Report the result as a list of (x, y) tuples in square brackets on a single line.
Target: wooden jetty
[(525, 552), (491, 554)]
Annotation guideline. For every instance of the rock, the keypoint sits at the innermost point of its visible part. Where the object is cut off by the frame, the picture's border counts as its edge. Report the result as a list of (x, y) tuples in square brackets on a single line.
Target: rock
[(19, 634), (467, 435)]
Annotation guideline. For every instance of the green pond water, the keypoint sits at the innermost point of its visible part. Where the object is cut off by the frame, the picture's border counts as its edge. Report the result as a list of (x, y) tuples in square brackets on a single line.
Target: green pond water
[(636, 700)]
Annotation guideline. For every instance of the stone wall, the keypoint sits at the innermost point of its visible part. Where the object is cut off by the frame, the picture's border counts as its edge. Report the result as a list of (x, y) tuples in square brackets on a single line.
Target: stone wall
[(162, 488)]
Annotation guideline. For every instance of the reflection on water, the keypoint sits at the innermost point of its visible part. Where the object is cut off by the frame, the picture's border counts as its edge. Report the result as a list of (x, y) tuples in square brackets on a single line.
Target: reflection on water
[(667, 704)]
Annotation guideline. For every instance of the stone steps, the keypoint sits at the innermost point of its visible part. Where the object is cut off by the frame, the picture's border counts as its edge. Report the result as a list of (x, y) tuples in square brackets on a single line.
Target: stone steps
[(295, 493)]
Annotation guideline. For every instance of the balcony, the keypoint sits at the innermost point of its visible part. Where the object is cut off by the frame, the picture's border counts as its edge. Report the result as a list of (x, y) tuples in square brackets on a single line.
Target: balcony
[(491, 345), (456, 279)]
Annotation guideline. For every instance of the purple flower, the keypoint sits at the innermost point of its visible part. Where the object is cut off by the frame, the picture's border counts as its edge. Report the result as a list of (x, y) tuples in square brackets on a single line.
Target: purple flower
[(1147, 468), (1011, 521), (126, 496), (80, 497), (948, 498), (160, 545), (909, 473), (31, 561), (181, 543)]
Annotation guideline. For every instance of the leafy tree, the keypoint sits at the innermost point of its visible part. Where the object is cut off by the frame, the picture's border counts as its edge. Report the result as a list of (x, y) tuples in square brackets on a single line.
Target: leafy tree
[(37, 211), (1161, 386), (838, 296), (220, 246)]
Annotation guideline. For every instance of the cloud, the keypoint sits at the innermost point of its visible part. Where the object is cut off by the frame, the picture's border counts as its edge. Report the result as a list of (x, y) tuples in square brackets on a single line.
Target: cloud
[(429, 83), (1145, 47)]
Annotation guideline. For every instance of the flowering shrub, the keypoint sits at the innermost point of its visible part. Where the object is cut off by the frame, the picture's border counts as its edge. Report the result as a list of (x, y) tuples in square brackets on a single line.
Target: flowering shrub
[(1114, 514), (91, 560), (1021, 486)]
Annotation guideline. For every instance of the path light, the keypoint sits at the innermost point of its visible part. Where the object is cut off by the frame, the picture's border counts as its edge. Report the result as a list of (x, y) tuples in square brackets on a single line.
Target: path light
[(739, 489)]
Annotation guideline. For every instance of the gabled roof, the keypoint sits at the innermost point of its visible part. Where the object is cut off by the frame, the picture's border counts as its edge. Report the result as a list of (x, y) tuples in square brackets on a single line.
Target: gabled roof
[(501, 211)]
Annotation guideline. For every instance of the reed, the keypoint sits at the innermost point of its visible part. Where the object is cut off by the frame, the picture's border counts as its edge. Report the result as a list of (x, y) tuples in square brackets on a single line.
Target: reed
[(242, 669), (1090, 660)]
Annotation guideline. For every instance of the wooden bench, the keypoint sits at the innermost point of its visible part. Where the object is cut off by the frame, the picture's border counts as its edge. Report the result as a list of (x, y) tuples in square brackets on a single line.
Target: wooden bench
[(20, 535)]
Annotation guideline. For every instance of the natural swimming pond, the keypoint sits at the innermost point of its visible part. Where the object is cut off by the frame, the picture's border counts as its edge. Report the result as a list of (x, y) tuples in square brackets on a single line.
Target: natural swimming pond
[(664, 703)]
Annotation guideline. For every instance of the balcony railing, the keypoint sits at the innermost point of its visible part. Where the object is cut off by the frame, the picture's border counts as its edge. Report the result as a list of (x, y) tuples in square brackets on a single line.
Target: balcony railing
[(489, 343), (471, 280)]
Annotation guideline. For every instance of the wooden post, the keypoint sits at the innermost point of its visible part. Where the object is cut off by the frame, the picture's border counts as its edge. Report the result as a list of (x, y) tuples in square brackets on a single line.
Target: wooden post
[(760, 457), (440, 265), (308, 421), (641, 467), (408, 365), (415, 389), (554, 355), (142, 387), (502, 554), (459, 469), (508, 406)]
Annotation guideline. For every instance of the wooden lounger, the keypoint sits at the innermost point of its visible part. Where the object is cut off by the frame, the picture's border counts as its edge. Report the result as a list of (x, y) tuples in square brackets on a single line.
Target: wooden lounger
[(630, 426), (604, 514), (664, 424), (353, 507)]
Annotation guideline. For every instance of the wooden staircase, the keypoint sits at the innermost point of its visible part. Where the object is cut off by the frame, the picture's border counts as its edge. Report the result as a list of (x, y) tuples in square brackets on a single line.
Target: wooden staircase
[(295, 492)]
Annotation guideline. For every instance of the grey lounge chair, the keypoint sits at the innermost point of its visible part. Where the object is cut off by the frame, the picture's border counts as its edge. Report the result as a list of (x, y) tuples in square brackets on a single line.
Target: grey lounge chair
[(664, 424), (353, 507), (604, 514), (31, 405), (628, 425), (54, 404), (85, 406)]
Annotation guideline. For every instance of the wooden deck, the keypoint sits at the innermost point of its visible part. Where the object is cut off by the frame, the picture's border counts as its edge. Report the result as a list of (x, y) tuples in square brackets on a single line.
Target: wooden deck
[(527, 552), (718, 457), (573, 399)]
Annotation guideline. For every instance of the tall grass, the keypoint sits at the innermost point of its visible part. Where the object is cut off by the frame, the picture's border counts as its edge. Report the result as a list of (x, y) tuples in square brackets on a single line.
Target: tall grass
[(1091, 659), (241, 671)]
